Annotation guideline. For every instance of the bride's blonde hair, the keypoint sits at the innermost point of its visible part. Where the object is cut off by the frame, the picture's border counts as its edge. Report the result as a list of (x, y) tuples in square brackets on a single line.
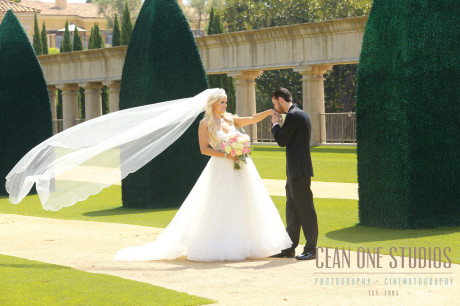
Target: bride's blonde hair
[(212, 129)]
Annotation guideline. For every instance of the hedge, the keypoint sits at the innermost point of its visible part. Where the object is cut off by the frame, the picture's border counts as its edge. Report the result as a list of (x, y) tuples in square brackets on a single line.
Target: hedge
[(163, 63), (25, 115), (408, 115)]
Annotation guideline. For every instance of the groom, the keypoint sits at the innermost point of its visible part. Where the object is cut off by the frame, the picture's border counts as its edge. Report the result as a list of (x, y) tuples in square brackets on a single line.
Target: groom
[(300, 211)]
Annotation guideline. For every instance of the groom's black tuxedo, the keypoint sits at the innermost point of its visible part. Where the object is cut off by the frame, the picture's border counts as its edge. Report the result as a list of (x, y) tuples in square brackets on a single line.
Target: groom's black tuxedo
[(300, 210), (295, 136)]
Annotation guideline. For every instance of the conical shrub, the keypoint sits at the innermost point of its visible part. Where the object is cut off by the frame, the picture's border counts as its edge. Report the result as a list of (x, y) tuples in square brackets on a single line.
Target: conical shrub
[(116, 39), (25, 116), (408, 113), (163, 63)]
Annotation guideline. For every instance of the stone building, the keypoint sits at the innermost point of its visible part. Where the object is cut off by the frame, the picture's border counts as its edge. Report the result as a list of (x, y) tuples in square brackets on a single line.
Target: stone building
[(25, 14), (55, 15)]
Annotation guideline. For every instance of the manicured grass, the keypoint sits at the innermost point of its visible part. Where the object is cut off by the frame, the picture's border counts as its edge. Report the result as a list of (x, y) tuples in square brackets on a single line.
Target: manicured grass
[(27, 282), (338, 222), (330, 164)]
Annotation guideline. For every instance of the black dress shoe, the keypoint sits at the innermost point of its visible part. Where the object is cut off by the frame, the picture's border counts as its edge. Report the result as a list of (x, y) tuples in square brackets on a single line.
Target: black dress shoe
[(306, 256), (283, 255)]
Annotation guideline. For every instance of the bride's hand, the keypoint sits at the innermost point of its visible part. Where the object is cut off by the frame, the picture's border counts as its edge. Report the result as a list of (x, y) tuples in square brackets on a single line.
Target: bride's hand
[(276, 118), (272, 111), (229, 156)]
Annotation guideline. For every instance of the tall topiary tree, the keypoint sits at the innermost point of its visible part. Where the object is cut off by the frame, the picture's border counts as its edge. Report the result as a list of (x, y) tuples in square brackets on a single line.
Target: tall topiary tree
[(116, 35), (215, 26), (100, 41), (36, 37), (150, 75), (215, 23), (95, 40), (90, 39), (77, 41), (126, 26), (209, 29), (66, 45), (25, 114), (44, 38), (408, 114)]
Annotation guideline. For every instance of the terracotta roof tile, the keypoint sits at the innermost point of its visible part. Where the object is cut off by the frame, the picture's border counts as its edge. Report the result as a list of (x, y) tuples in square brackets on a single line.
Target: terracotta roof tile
[(84, 10), (15, 7)]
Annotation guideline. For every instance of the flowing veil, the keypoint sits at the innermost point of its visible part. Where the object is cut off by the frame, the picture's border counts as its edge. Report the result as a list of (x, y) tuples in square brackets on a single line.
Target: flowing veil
[(84, 159)]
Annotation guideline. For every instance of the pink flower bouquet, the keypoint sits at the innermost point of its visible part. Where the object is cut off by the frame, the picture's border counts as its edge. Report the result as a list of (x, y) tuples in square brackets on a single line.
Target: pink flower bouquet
[(237, 145)]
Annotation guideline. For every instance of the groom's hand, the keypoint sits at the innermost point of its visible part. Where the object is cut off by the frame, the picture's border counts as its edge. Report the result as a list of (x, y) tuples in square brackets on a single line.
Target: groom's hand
[(275, 118)]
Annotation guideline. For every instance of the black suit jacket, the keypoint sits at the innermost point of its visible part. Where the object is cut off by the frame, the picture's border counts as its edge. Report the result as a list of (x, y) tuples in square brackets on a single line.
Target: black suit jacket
[(295, 136)]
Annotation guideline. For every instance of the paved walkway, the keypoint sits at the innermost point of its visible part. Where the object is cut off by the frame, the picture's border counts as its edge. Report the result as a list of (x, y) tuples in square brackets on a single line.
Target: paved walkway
[(90, 246)]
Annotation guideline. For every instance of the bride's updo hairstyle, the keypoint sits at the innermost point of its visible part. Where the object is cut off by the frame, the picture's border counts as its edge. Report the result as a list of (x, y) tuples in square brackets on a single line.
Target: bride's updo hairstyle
[(212, 129)]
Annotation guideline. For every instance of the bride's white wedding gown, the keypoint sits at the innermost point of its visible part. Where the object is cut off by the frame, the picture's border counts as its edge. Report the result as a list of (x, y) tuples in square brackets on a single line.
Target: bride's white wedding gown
[(227, 216)]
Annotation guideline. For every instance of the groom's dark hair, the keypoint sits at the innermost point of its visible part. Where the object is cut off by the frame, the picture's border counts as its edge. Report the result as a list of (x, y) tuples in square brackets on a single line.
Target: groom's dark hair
[(283, 93)]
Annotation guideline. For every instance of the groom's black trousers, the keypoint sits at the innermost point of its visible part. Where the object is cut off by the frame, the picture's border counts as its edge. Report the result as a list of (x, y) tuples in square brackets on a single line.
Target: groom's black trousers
[(300, 212)]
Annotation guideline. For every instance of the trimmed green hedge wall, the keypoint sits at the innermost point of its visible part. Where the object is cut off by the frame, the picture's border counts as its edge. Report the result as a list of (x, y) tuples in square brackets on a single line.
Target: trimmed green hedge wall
[(408, 100), (163, 63), (25, 109)]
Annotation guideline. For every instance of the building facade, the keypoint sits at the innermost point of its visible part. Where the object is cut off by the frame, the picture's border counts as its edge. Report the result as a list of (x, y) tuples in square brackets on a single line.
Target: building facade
[(55, 15)]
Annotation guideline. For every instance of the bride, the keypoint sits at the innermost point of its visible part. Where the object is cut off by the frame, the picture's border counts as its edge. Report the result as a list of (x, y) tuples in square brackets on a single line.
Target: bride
[(228, 214)]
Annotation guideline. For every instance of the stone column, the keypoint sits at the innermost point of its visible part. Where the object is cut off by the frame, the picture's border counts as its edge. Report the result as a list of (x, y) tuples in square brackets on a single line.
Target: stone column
[(313, 98), (52, 39), (69, 104), (93, 100), (52, 93), (114, 95), (245, 96)]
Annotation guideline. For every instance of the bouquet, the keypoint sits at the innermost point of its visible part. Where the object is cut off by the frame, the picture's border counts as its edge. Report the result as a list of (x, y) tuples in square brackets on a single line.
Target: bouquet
[(237, 145)]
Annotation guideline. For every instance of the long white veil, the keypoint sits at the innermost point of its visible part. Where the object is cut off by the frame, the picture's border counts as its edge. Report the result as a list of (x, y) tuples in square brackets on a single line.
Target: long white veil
[(84, 159)]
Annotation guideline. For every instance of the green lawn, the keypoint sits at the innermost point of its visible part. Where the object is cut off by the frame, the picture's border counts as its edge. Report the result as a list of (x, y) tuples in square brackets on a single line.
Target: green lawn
[(330, 164), (27, 282), (338, 221)]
